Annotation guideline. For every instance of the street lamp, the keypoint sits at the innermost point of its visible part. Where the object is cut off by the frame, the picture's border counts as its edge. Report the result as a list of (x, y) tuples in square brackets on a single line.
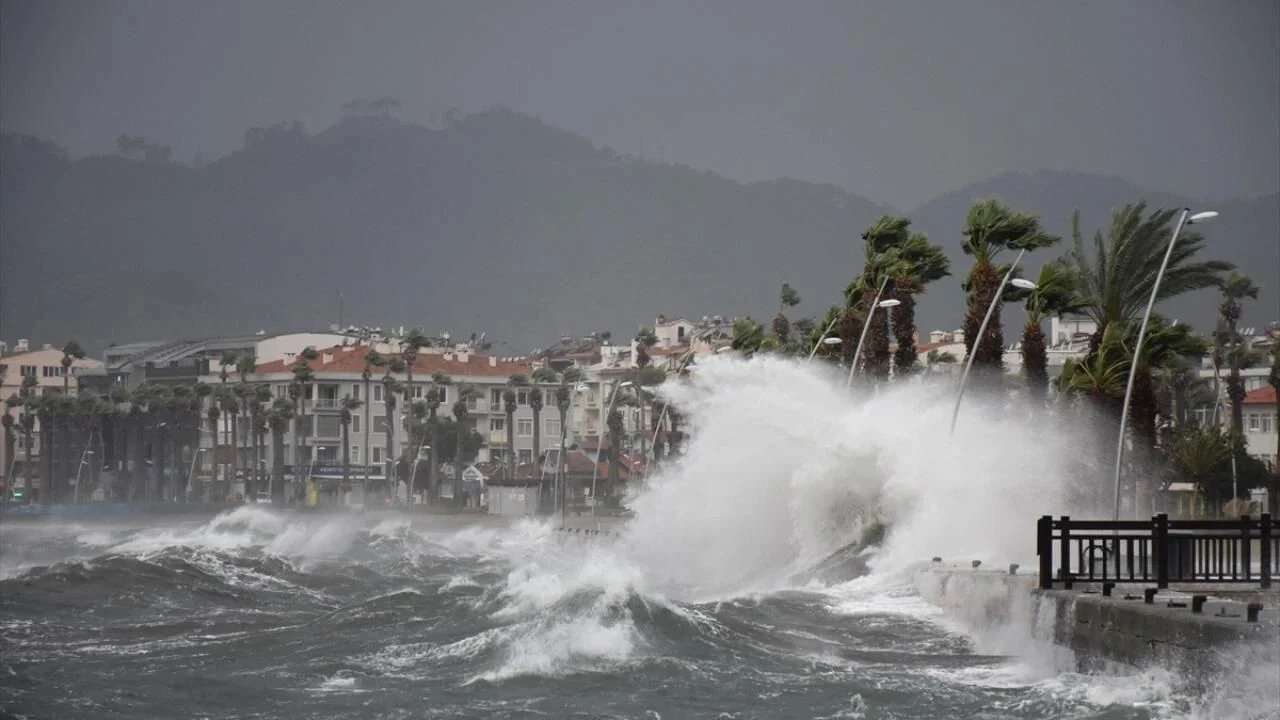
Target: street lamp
[(192, 474), (75, 499), (888, 306), (877, 303), (1185, 219), (413, 474), (595, 466), (826, 340), (982, 331)]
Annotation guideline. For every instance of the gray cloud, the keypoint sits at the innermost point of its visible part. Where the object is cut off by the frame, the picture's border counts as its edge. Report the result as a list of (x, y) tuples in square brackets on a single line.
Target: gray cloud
[(896, 100)]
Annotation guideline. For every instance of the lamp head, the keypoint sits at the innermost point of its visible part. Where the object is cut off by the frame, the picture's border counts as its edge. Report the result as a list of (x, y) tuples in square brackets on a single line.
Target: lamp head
[(1202, 216), (832, 341), (890, 303), (1023, 283)]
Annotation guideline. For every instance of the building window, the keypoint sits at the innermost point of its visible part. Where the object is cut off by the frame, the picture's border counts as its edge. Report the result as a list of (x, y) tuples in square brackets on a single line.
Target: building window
[(355, 454), (526, 457), (380, 423), (522, 397), (495, 400), (1254, 422), (377, 393), (497, 424), (355, 391), (53, 371), (328, 425), (1265, 423), (282, 391), (524, 427), (553, 427), (27, 370), (473, 402), (355, 423), (376, 453), (442, 394)]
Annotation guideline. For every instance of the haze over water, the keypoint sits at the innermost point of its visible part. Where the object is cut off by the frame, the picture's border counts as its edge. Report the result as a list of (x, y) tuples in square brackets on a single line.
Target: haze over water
[(700, 608)]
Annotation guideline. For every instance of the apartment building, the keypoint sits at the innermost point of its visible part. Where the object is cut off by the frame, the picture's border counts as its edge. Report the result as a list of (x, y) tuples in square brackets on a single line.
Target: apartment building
[(337, 373), (45, 366), (1261, 425)]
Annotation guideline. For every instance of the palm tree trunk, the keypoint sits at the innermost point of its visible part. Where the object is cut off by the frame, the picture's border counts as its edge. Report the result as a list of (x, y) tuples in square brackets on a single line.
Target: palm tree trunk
[(509, 459), (615, 460), (346, 456), (1235, 395), (537, 440), (989, 350), (277, 466), (562, 462), (904, 331), (388, 461), (1035, 362), (875, 353), (364, 457), (433, 465)]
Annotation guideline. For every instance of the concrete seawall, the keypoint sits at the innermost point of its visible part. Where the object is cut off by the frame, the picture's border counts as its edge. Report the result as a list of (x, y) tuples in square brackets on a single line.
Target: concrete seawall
[(1088, 632)]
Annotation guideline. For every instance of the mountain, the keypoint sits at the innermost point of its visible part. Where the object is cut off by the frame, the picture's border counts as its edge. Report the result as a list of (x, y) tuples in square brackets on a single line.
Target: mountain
[(1247, 233), (496, 223)]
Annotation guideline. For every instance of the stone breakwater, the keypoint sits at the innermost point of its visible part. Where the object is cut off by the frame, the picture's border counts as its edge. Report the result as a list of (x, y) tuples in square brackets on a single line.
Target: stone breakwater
[(1202, 634)]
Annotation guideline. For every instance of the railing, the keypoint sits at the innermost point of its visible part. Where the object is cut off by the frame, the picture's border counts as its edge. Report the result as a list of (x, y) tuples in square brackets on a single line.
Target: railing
[(323, 403), (1159, 550)]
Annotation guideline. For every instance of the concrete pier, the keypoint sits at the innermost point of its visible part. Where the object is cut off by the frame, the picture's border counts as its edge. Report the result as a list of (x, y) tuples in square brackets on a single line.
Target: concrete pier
[(1201, 633)]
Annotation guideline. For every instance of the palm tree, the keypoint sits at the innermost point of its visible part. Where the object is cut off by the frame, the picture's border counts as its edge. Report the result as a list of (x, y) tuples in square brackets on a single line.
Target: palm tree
[(72, 352), (372, 359), (1198, 452), (917, 263), (787, 298), (278, 419), (571, 376), (409, 346), (348, 404), (880, 243), (1236, 288), (614, 424), (992, 229), (212, 415), (1114, 283), (466, 393), (230, 407), (1054, 295), (245, 366), (436, 395), (390, 386), (10, 438), (541, 376), (748, 337), (938, 357), (509, 407)]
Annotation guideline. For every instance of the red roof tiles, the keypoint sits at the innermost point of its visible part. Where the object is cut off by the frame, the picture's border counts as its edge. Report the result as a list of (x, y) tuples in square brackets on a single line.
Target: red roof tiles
[(1262, 396), (350, 359)]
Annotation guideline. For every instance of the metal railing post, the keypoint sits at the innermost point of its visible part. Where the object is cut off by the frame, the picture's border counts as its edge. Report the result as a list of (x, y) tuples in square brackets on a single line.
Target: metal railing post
[(1064, 550), (1160, 539), (1265, 534), (1044, 549)]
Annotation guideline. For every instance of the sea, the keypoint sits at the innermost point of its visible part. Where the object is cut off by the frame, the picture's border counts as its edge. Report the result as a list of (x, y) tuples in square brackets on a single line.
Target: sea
[(704, 604)]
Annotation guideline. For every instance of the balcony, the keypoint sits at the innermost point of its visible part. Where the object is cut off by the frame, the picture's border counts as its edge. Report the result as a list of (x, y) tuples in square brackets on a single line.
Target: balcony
[(325, 404), (498, 437)]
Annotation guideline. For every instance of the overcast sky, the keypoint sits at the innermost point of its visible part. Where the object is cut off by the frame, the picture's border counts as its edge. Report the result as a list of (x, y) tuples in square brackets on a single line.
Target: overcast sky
[(896, 100)]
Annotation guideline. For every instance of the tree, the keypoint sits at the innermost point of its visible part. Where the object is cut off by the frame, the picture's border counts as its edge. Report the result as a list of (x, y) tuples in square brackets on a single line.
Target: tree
[(348, 404), (410, 344), (880, 243), (614, 424), (1054, 295), (391, 386), (246, 365), (992, 229), (564, 401), (938, 357), (787, 298), (509, 406), (372, 359), (541, 376), (461, 414), (435, 397), (1236, 288), (1114, 282), (278, 419), (645, 339), (916, 263), (72, 352), (748, 336)]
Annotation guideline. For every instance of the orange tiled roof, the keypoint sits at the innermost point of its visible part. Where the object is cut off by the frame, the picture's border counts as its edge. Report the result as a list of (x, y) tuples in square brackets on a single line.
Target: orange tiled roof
[(350, 359), (1265, 395)]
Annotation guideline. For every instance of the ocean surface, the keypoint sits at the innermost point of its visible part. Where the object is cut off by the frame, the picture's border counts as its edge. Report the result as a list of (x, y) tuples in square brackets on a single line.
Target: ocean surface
[(258, 614), (701, 606)]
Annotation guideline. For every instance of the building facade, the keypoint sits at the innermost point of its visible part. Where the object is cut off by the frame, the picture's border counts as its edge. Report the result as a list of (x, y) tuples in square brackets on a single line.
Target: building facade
[(44, 365)]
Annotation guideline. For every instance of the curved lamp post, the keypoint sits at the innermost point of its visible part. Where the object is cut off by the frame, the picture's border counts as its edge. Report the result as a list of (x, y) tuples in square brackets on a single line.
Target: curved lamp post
[(1185, 219), (557, 490), (826, 340), (982, 331), (595, 466), (857, 351), (191, 476)]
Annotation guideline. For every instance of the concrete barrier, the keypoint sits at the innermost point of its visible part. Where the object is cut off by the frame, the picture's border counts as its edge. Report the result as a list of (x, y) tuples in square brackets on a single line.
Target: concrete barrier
[(1200, 633)]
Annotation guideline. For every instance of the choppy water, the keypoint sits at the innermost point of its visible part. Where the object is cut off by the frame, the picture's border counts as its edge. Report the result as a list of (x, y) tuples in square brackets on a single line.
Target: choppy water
[(693, 611)]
